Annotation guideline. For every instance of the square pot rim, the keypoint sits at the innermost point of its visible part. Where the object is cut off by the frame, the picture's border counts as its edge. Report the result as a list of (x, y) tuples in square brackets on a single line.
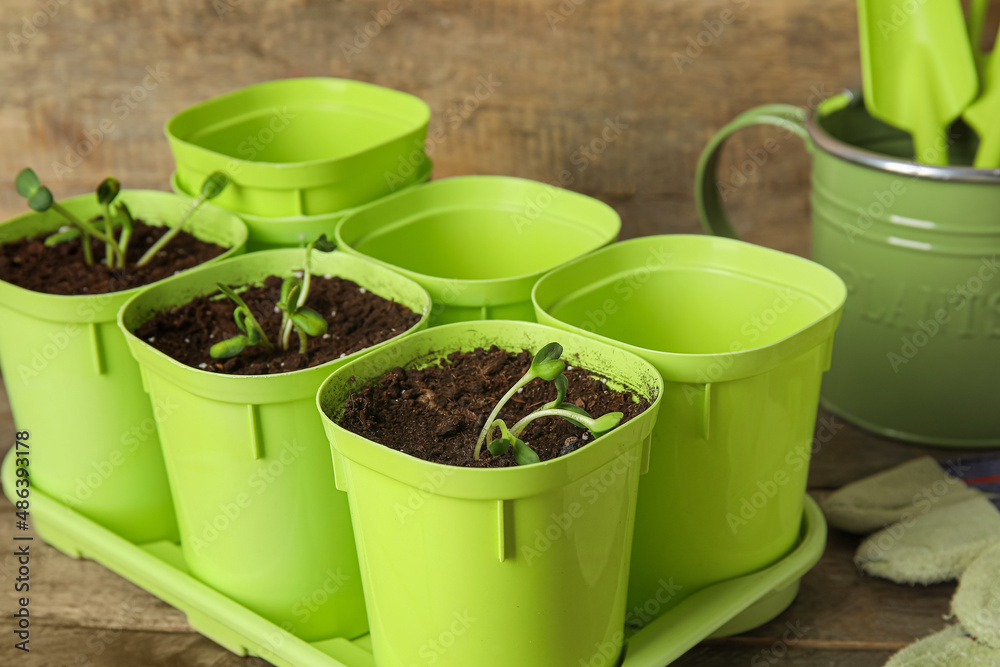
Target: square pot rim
[(515, 481), (207, 106), (281, 387), (10, 294)]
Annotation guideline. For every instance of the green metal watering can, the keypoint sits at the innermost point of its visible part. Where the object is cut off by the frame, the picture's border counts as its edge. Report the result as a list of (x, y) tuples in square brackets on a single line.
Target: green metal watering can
[(917, 354)]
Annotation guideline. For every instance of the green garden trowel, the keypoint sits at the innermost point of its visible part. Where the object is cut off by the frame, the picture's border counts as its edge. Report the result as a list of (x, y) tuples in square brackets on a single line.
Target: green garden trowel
[(983, 115), (919, 71)]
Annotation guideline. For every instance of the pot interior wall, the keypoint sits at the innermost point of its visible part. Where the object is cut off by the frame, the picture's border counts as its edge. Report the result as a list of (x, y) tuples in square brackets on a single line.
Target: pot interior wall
[(666, 310), (282, 135), (478, 244)]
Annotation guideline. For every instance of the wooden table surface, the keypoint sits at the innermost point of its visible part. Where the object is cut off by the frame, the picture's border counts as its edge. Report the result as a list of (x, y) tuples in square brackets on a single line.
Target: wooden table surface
[(517, 87)]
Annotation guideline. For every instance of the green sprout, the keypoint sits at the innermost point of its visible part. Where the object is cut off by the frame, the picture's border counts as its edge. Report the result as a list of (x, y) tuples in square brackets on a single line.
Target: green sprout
[(128, 226), (106, 193), (294, 313), (40, 199), (294, 292), (116, 250), (210, 189), (548, 366), (253, 332)]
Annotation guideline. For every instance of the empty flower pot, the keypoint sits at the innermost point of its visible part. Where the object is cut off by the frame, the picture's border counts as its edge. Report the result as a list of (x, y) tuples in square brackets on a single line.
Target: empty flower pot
[(302, 147), (742, 336), (260, 518), (73, 384), (478, 244), (494, 566), (293, 231)]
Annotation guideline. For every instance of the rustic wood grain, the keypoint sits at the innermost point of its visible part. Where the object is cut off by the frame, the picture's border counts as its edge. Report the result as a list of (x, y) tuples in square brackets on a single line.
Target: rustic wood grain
[(560, 71), (559, 81)]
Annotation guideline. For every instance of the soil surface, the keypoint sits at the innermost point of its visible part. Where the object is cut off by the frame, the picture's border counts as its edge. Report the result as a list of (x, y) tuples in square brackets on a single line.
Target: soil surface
[(61, 270), (357, 319), (436, 413)]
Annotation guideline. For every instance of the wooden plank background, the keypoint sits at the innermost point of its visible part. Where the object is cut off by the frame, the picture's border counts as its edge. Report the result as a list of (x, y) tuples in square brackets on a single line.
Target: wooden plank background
[(563, 67), (73, 105)]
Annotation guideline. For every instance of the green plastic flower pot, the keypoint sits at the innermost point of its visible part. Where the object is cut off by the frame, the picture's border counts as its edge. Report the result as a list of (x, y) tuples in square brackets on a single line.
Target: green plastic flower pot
[(260, 518), (742, 336), (75, 387), (302, 146), (494, 567), (293, 231), (918, 352), (479, 243)]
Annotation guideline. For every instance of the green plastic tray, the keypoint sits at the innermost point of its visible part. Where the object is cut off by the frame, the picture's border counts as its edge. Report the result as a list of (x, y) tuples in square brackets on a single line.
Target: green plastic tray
[(725, 608)]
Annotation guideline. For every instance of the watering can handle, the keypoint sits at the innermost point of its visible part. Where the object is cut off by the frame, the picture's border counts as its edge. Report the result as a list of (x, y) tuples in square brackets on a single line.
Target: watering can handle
[(706, 190)]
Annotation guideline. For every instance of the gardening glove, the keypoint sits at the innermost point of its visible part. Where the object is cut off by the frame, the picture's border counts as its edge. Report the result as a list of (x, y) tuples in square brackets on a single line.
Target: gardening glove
[(976, 604), (911, 489), (952, 647), (932, 547)]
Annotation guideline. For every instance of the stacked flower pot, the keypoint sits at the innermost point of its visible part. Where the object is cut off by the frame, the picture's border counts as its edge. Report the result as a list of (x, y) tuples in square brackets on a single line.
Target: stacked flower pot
[(268, 386), (302, 152)]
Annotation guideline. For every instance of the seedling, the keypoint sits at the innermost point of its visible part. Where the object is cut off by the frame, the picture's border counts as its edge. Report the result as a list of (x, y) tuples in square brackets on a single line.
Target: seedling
[(548, 366), (294, 292), (40, 199), (210, 189), (106, 193), (294, 313), (253, 332)]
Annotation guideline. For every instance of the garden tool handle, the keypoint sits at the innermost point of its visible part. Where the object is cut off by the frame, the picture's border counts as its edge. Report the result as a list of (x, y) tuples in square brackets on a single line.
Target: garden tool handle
[(707, 197)]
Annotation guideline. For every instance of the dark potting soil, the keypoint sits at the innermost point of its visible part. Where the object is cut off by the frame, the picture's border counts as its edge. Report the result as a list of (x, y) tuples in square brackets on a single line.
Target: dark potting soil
[(436, 413), (357, 319), (61, 269)]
